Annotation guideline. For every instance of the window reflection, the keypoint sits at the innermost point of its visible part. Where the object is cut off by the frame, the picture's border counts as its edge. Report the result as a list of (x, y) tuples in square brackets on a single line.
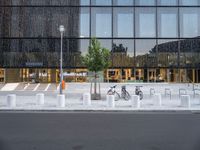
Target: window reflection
[(189, 2), (145, 2), (123, 53), (123, 22), (123, 2), (84, 23), (101, 22), (101, 2), (189, 22), (145, 53), (167, 2), (145, 22), (167, 22), (167, 53)]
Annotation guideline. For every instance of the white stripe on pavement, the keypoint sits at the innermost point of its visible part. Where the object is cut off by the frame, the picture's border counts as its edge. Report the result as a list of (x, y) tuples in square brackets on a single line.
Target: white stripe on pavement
[(47, 87), (36, 87), (27, 85)]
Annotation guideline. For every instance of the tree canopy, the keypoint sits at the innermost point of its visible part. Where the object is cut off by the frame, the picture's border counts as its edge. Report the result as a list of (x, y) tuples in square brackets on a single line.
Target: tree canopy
[(97, 58)]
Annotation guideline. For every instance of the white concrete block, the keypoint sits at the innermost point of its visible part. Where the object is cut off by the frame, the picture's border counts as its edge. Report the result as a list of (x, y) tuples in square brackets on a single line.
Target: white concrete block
[(185, 101), (135, 101), (110, 101), (11, 100), (87, 99), (157, 99), (61, 100), (40, 98)]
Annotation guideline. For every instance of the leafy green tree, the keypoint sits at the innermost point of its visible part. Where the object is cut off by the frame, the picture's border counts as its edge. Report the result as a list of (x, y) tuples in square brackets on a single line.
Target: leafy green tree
[(97, 59)]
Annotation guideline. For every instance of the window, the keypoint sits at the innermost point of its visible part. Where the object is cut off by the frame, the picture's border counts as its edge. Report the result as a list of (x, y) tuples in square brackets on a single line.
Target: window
[(189, 22), (123, 2), (167, 2), (85, 22), (145, 2), (101, 2), (101, 22), (123, 22), (189, 2), (145, 22), (167, 22)]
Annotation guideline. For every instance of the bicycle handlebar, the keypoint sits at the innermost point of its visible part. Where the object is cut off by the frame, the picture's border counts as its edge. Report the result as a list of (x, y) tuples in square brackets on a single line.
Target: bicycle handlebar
[(113, 86)]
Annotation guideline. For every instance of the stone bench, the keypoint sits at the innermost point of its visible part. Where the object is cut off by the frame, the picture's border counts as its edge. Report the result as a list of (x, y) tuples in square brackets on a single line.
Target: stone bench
[(157, 99), (168, 92), (40, 98), (11, 100), (185, 101), (152, 92), (196, 92), (87, 99), (61, 100), (182, 92), (135, 101), (110, 101)]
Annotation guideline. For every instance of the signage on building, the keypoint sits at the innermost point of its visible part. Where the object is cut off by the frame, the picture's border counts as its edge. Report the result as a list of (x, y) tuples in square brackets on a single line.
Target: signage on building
[(34, 64)]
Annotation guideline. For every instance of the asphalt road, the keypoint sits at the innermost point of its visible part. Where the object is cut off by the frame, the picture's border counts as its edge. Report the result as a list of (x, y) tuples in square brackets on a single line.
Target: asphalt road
[(99, 131)]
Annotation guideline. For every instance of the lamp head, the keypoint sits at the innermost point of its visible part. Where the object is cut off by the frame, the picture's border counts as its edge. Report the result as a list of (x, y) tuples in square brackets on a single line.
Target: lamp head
[(61, 28)]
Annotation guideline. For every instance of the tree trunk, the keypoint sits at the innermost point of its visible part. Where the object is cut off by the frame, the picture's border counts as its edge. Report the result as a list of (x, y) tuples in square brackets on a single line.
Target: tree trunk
[(95, 83)]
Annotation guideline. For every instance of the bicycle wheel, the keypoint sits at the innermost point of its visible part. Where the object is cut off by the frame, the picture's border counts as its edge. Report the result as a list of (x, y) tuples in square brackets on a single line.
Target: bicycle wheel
[(110, 92), (117, 96), (127, 96)]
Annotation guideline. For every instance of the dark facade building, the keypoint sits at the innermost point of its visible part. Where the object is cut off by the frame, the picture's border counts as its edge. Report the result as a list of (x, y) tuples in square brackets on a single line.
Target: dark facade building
[(149, 40)]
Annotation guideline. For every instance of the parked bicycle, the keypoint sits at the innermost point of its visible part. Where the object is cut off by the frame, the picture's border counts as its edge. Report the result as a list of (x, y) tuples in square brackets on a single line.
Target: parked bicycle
[(112, 91), (124, 94), (139, 92)]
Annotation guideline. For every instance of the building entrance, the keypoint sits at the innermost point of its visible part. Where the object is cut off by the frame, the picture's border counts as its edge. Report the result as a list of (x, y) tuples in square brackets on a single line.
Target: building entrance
[(2, 75), (36, 75)]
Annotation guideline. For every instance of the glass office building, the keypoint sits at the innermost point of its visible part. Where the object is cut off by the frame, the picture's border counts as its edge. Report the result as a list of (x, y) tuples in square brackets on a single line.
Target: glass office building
[(149, 40)]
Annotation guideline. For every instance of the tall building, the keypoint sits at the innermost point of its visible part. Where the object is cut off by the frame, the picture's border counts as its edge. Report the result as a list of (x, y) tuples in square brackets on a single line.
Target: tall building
[(149, 40)]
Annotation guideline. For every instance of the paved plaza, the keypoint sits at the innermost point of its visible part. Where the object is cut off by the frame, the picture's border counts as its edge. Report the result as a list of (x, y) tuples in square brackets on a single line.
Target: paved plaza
[(26, 97)]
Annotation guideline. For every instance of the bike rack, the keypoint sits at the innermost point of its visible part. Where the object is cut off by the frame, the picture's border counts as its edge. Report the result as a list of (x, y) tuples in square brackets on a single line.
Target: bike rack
[(152, 91)]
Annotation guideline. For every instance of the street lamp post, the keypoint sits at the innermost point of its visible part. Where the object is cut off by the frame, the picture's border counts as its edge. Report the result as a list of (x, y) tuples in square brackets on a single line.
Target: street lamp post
[(61, 29)]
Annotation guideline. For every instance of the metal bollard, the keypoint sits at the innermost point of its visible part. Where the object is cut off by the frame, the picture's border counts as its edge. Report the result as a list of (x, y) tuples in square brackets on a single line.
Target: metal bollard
[(61, 100), (185, 101), (135, 101), (87, 99), (157, 99), (11, 100), (110, 101), (40, 98)]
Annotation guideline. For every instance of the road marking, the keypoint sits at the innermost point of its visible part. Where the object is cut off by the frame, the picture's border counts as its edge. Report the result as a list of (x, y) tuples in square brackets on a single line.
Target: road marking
[(27, 85), (36, 87), (58, 87), (9, 87), (47, 87)]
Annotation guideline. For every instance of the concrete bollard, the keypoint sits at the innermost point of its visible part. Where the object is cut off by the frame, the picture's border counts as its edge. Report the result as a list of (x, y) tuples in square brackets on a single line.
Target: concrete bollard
[(40, 98), (61, 100), (87, 99), (110, 101), (157, 99), (135, 101), (185, 101), (11, 100)]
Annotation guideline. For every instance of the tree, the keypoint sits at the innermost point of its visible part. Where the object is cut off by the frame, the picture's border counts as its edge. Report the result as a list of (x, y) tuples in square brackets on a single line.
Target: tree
[(97, 59)]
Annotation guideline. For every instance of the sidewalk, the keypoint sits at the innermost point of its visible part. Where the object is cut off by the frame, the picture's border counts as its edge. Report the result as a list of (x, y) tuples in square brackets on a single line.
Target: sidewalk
[(27, 100)]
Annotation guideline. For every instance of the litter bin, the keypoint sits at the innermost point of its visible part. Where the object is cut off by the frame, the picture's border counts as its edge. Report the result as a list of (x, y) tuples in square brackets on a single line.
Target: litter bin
[(63, 84)]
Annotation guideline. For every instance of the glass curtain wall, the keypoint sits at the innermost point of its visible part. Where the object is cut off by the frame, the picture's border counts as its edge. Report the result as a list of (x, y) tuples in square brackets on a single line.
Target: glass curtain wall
[(149, 40)]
